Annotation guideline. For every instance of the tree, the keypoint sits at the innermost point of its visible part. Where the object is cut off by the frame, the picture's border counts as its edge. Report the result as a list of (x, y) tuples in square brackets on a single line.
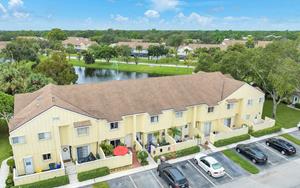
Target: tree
[(250, 42), (6, 106), (175, 41), (105, 52), (35, 81), (57, 68), (22, 50), (70, 49), (56, 35), (277, 71), (88, 58), (157, 51), (124, 51), (142, 156), (174, 132)]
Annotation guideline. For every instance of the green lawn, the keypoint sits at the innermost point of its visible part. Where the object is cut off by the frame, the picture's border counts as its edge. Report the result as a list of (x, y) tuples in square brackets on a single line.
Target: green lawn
[(136, 68), (101, 185), (241, 162), (5, 147), (286, 117), (291, 138)]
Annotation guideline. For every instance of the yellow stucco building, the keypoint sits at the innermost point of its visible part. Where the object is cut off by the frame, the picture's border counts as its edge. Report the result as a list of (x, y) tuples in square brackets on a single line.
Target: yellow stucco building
[(66, 123)]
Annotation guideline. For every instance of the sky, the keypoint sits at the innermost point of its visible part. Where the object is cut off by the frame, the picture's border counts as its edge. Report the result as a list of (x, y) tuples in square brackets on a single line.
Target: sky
[(150, 14)]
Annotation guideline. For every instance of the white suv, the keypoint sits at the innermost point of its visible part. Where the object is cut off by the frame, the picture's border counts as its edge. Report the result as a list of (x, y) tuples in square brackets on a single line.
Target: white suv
[(210, 165)]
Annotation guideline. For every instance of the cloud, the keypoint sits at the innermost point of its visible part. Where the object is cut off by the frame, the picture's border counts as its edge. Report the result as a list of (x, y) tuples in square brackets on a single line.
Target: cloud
[(20, 15), (195, 18), (152, 14), (241, 18), (119, 18), (2, 9), (163, 5), (15, 4)]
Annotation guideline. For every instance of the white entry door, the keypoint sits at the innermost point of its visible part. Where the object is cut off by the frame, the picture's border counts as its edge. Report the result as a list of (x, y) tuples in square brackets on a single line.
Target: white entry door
[(207, 128), (65, 153), (128, 140), (28, 163)]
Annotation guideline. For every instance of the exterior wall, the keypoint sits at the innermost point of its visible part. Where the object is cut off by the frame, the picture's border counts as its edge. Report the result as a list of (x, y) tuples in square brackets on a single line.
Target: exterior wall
[(21, 180), (264, 124), (224, 135)]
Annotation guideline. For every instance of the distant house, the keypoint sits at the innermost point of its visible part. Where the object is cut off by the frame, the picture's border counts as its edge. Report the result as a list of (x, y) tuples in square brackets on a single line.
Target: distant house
[(79, 43), (3, 44), (133, 44), (296, 97)]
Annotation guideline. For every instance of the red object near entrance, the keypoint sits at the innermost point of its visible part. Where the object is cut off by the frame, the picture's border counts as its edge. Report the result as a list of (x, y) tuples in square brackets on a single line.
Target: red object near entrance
[(120, 150)]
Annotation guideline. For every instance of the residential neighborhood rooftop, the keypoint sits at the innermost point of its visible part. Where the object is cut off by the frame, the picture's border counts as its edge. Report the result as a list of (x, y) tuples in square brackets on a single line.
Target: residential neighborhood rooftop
[(114, 99)]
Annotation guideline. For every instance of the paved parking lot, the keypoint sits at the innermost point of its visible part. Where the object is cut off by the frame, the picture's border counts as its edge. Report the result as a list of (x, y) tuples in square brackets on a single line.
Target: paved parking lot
[(198, 178)]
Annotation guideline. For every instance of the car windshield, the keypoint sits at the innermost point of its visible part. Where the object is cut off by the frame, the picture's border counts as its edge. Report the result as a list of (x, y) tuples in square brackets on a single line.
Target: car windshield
[(287, 144), (178, 175), (216, 166), (257, 152)]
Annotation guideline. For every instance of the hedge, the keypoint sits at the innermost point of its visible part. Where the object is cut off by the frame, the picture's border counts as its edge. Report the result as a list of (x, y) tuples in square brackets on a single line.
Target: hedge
[(297, 105), (91, 174), (179, 153), (263, 132), (231, 140), (49, 183)]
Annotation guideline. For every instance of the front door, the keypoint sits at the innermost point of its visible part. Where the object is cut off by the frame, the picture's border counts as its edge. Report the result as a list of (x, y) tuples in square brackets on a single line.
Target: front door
[(128, 140), (28, 163), (65, 153), (207, 128)]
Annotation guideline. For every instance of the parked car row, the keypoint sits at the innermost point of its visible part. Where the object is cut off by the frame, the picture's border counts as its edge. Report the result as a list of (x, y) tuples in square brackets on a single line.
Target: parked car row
[(176, 179)]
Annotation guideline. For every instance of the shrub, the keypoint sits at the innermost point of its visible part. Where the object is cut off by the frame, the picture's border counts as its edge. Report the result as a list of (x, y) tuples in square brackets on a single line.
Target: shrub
[(91, 174), (49, 183), (11, 164), (231, 140), (142, 156), (297, 105), (9, 181), (107, 148), (263, 132), (179, 153)]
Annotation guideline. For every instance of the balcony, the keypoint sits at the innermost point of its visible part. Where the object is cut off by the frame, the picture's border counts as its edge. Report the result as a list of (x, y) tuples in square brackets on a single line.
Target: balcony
[(260, 124)]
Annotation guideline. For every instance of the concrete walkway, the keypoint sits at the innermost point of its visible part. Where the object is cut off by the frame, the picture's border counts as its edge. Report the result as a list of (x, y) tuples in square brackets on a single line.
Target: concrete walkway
[(152, 165), (4, 171), (147, 64)]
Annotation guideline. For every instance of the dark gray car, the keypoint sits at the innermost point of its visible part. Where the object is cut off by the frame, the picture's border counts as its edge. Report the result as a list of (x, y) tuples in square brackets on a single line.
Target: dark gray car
[(172, 175)]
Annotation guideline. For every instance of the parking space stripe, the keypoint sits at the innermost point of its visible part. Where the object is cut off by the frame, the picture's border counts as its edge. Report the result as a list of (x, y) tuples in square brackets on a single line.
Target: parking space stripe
[(156, 179), (134, 185), (273, 151), (229, 176), (202, 173)]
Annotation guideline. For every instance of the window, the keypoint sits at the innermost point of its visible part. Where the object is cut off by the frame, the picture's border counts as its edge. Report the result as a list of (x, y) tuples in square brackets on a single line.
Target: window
[(44, 136), (210, 109), (250, 102), (227, 122), (114, 125), (179, 114), (115, 143), (154, 119), (261, 100), (47, 156), (230, 106), (82, 152), (247, 116), (82, 131), (18, 140)]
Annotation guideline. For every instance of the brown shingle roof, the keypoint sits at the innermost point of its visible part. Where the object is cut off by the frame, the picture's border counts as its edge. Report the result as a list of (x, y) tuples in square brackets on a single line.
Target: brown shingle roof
[(114, 99), (78, 41)]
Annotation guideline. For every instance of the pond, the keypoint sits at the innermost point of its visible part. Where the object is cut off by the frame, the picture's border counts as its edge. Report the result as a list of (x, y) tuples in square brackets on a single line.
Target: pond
[(91, 75)]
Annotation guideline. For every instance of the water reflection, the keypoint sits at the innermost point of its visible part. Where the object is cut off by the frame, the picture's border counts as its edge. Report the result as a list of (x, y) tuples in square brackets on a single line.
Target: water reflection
[(90, 75)]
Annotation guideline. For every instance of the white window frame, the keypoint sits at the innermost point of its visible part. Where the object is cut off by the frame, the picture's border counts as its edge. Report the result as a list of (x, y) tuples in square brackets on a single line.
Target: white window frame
[(179, 114), (226, 120), (45, 137), (155, 118), (18, 138), (83, 134), (250, 102), (261, 100), (210, 109), (230, 106), (46, 154), (115, 125), (88, 150)]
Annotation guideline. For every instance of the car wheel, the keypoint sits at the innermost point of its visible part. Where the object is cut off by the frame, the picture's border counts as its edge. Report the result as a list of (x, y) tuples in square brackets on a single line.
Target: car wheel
[(159, 174), (267, 143), (196, 161), (170, 186), (254, 161), (283, 152), (238, 150), (209, 173)]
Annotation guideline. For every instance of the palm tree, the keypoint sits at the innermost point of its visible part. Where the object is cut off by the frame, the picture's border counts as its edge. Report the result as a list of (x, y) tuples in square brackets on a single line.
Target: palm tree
[(174, 132)]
